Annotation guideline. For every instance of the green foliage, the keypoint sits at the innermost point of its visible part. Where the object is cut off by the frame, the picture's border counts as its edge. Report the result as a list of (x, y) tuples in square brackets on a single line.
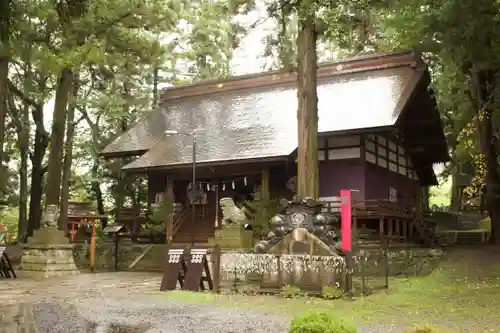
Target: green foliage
[(290, 291), (329, 292), (159, 214), (320, 322), (9, 218), (263, 210)]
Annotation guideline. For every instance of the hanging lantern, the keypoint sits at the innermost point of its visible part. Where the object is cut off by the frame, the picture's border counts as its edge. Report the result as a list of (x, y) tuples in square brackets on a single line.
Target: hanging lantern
[(245, 181), (208, 187), (233, 185), (223, 187)]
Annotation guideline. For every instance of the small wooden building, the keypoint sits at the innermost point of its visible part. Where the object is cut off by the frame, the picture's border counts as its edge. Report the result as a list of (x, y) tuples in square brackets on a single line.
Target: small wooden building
[(379, 134)]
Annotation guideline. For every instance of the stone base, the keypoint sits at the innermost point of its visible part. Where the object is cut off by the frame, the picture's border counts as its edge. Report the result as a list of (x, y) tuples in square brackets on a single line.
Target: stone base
[(232, 237), (48, 253)]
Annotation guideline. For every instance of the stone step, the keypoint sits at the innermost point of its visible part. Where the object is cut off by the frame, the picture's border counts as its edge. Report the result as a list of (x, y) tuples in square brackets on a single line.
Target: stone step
[(469, 238)]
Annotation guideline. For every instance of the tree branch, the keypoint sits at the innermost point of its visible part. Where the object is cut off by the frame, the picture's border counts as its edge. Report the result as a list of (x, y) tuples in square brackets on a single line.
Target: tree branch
[(22, 95), (14, 112)]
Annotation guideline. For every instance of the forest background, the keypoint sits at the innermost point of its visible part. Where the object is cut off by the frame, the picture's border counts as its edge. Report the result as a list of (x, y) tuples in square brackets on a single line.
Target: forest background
[(76, 73)]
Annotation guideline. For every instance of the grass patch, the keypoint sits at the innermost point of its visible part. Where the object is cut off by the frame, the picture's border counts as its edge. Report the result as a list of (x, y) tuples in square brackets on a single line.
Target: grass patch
[(464, 288)]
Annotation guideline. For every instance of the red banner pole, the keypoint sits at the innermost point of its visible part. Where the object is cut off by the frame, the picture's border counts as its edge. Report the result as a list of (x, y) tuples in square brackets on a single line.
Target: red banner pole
[(346, 220)]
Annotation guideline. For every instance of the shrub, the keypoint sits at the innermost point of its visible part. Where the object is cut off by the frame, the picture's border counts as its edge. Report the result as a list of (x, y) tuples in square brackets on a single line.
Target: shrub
[(329, 292), (290, 291), (320, 322), (427, 329)]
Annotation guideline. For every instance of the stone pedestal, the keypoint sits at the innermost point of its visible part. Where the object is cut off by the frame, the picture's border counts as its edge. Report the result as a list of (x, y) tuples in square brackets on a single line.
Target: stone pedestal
[(232, 237), (48, 253)]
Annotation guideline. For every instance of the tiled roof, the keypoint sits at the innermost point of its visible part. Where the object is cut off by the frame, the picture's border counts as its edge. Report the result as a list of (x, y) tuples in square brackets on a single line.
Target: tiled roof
[(254, 117), (262, 122)]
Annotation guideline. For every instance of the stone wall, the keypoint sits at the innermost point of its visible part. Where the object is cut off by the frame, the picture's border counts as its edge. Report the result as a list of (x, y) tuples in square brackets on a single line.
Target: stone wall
[(401, 262)]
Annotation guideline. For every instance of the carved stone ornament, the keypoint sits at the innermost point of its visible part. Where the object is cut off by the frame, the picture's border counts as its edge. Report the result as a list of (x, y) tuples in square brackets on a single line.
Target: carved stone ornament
[(50, 216), (302, 213)]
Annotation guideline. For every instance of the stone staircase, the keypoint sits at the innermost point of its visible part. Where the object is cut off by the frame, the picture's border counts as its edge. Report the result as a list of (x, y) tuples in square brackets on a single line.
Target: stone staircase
[(469, 238), (469, 220), (198, 231)]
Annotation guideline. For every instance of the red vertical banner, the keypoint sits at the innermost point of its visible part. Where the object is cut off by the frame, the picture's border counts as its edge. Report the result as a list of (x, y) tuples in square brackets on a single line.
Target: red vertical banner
[(346, 220)]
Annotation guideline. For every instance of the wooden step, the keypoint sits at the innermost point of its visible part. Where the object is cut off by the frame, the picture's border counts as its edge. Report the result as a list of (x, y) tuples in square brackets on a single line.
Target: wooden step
[(469, 238)]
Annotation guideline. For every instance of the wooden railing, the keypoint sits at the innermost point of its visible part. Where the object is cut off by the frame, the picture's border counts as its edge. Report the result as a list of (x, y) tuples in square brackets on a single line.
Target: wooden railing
[(179, 219)]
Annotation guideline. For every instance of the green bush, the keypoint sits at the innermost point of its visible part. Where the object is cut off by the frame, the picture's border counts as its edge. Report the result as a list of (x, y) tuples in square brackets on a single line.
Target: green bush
[(290, 291), (329, 292), (320, 322), (427, 329)]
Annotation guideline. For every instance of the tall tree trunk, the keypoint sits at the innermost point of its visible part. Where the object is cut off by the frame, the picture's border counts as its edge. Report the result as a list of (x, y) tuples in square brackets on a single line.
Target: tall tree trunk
[(96, 188), (484, 82), (68, 155), (37, 171), (425, 204), (20, 119), (156, 81), (307, 113), (24, 146), (455, 201), (4, 72), (24, 143), (54, 169), (95, 184), (121, 187)]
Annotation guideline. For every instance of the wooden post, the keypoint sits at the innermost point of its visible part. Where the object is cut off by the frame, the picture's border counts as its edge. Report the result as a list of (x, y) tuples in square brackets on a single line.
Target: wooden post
[(390, 227), (216, 268), (405, 230), (280, 272), (348, 274), (265, 192), (363, 273), (398, 229), (385, 252), (92, 247), (381, 227), (168, 199)]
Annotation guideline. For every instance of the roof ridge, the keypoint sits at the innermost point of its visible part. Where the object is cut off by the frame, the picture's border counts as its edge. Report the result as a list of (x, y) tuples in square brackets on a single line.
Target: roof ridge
[(284, 76)]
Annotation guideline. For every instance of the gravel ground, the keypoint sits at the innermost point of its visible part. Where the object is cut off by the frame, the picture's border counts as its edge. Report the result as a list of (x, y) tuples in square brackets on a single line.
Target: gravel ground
[(92, 303), (98, 315), (150, 315)]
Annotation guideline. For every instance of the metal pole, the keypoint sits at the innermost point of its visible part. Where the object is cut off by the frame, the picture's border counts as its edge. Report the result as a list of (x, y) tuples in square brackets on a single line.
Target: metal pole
[(216, 188), (193, 206)]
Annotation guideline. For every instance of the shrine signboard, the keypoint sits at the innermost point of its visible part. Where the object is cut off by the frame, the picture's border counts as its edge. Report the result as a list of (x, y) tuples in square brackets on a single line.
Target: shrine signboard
[(175, 269), (6, 269), (197, 270), (346, 220)]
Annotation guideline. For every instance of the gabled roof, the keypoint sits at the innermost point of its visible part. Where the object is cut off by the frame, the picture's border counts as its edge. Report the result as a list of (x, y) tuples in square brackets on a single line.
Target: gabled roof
[(254, 117)]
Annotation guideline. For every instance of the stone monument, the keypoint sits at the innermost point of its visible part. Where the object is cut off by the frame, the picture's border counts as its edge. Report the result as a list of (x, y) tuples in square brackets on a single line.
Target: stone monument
[(302, 214), (48, 252)]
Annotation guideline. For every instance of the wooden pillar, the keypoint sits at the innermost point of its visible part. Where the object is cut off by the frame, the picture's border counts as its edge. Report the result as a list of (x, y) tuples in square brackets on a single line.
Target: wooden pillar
[(168, 203), (389, 229), (398, 229), (412, 229), (265, 192), (381, 227), (405, 230)]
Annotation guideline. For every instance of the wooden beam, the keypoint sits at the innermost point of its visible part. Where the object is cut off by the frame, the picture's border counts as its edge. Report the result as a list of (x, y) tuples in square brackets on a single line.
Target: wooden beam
[(169, 199), (265, 192)]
